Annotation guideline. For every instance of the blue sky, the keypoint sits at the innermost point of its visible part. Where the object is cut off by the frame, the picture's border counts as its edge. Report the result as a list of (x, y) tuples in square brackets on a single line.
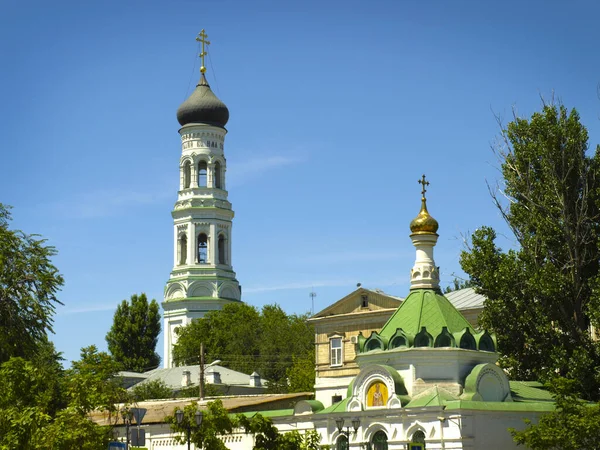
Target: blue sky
[(337, 108)]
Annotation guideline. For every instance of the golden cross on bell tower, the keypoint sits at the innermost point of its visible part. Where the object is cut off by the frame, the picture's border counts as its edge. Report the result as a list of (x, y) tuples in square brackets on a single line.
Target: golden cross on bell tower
[(424, 184), (202, 38)]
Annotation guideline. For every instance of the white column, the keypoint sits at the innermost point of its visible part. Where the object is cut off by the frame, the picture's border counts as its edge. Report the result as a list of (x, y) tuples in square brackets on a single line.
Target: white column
[(195, 240), (210, 179), (194, 174), (190, 245), (213, 241), (175, 247)]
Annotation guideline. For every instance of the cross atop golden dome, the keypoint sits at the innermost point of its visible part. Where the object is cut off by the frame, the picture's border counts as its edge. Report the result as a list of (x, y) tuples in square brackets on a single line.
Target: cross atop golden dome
[(424, 223)]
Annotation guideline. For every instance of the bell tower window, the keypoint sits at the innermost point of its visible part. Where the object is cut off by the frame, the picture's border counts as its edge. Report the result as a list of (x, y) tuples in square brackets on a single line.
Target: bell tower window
[(187, 174), (202, 171), (202, 248), (182, 249), (221, 249), (218, 175)]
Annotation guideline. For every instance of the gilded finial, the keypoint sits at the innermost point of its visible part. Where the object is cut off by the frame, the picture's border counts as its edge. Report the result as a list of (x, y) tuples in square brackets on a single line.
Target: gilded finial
[(424, 223), (202, 38)]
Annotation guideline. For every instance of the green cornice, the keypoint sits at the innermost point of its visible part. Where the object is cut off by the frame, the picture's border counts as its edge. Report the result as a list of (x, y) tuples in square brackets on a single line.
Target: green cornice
[(207, 269), (200, 208), (201, 299)]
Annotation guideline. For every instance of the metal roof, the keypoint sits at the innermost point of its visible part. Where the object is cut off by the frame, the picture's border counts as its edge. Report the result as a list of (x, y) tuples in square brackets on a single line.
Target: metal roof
[(173, 376), (465, 298)]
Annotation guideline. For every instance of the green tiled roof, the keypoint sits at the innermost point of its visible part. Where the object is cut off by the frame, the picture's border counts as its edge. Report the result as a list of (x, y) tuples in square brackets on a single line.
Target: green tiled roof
[(425, 308), (500, 406), (336, 407), (432, 397), (529, 391), (271, 413)]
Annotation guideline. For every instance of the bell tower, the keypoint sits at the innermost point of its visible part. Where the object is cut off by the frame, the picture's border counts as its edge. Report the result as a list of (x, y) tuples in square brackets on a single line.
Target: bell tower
[(202, 278)]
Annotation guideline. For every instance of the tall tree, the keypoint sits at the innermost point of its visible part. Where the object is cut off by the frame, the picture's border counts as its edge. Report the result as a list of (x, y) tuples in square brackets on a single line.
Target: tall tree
[(542, 296), (133, 336), (574, 423), (29, 283), (247, 341), (44, 406)]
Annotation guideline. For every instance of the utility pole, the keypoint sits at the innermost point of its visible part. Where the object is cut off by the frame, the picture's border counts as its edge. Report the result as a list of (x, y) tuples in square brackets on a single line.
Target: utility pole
[(201, 383)]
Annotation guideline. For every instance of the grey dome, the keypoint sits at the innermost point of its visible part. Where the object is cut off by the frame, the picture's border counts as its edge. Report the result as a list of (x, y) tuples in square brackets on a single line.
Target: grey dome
[(203, 106)]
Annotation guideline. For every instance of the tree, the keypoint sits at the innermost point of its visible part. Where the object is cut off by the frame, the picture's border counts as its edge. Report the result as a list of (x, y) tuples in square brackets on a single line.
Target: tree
[(282, 338), (301, 374), (133, 336), (231, 334), (247, 341), (151, 390), (542, 296), (28, 287), (268, 437), (44, 406), (457, 284), (574, 423), (216, 423)]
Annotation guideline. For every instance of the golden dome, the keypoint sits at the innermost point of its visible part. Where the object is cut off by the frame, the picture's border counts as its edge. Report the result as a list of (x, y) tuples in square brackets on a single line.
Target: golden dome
[(424, 223)]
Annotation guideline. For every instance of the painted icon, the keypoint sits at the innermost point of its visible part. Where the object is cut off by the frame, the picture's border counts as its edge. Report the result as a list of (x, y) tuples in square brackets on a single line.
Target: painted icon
[(377, 394)]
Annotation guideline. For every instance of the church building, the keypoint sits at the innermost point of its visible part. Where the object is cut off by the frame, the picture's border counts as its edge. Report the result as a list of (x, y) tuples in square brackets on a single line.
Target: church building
[(415, 373)]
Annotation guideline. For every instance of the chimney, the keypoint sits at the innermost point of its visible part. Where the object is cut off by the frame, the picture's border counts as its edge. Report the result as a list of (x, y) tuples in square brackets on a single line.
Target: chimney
[(186, 379), (255, 380), (213, 377)]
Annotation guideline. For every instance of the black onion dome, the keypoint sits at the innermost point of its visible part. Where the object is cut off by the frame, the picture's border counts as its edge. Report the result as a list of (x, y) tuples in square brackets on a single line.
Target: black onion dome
[(203, 106)]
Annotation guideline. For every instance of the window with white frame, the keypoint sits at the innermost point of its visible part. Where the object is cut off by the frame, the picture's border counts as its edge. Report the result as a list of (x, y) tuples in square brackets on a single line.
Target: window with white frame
[(335, 347)]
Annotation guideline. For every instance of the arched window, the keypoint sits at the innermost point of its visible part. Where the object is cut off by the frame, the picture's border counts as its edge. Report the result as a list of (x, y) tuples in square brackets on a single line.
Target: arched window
[(202, 248), (202, 171), (486, 343), (221, 248), (423, 338), (341, 443), (379, 441), (398, 341), (218, 175), (419, 438), (187, 174), (183, 249)]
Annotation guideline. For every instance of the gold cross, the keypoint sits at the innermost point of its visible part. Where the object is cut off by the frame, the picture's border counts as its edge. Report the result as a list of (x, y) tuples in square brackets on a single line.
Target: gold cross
[(424, 184), (202, 38)]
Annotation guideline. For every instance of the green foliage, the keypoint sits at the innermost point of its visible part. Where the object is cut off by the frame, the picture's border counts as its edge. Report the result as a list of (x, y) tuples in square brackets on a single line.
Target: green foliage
[(210, 390), (247, 341), (94, 369), (216, 423), (28, 286), (458, 284), (133, 336), (267, 436), (543, 295), (301, 373), (43, 406), (574, 423), (151, 390), (232, 331)]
